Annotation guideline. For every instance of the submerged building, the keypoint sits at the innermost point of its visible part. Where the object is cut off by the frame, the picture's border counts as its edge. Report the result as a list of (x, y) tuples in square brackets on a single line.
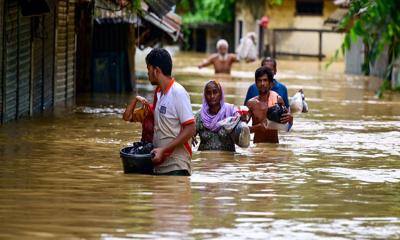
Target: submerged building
[(50, 50), (297, 28)]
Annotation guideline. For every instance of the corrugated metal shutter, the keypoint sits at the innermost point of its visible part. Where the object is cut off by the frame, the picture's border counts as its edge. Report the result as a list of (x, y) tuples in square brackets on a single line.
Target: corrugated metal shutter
[(61, 53), (49, 56), (71, 50), (24, 66), (161, 7), (37, 65), (10, 61), (1, 59)]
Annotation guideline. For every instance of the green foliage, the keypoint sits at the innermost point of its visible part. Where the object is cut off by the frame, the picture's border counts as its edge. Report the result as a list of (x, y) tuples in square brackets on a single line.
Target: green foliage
[(136, 6), (276, 2), (377, 23), (209, 11), (384, 87), (186, 33)]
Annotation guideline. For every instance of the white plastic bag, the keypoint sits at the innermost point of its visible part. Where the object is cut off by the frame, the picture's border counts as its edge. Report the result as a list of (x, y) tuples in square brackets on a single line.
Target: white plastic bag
[(298, 103)]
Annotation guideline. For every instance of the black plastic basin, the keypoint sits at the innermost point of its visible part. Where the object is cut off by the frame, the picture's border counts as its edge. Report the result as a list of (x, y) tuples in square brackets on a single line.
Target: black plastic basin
[(136, 163)]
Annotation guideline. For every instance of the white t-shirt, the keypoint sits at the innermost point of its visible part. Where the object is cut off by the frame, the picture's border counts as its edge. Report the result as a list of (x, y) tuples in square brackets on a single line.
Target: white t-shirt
[(172, 111)]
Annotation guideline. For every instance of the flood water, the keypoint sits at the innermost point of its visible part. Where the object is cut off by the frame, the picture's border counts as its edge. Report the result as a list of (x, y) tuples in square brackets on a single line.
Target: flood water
[(336, 175)]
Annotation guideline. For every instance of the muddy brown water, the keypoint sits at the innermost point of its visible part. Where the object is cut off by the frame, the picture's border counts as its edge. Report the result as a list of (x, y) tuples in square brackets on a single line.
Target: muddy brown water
[(334, 176)]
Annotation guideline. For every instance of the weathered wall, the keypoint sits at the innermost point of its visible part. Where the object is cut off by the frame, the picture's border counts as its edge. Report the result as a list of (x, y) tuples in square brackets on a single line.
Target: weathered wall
[(354, 58), (284, 17), (28, 61), (1, 57), (396, 74)]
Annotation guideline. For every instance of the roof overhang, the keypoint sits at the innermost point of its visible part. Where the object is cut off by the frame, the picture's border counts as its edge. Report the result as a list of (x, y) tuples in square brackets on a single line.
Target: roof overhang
[(159, 14)]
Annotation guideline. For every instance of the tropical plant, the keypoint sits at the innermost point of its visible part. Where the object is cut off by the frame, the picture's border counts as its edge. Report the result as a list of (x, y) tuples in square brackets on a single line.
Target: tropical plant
[(208, 11), (377, 23)]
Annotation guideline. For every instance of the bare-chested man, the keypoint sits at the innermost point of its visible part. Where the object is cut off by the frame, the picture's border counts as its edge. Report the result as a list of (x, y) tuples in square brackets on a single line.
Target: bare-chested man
[(222, 60), (259, 105)]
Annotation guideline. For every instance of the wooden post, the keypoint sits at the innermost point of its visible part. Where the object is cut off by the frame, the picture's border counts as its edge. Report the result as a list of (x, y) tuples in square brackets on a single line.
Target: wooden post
[(131, 54), (260, 41), (273, 44), (320, 46), (2, 49)]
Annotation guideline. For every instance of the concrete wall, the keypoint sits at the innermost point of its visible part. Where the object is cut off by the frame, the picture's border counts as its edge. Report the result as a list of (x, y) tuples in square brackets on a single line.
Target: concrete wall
[(379, 67), (396, 74), (248, 16), (354, 58)]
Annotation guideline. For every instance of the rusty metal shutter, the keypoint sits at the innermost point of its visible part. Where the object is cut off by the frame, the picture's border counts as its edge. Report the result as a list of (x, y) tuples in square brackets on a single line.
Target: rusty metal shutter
[(24, 65), (48, 56), (61, 53), (71, 50), (1, 59), (37, 65), (10, 61)]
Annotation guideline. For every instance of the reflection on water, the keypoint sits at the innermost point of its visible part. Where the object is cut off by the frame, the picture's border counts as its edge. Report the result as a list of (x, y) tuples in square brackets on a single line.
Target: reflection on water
[(336, 175)]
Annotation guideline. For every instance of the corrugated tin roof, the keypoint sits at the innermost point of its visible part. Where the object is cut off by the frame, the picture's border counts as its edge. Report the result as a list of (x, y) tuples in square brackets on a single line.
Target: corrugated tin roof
[(157, 13), (161, 7)]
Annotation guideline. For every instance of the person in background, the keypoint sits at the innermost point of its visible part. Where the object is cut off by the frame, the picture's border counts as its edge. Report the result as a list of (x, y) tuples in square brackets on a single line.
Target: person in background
[(222, 60), (258, 107), (213, 110), (247, 48), (278, 87), (174, 124)]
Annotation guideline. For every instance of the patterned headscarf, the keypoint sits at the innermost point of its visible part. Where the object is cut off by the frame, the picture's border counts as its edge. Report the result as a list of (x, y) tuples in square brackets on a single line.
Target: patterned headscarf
[(226, 110)]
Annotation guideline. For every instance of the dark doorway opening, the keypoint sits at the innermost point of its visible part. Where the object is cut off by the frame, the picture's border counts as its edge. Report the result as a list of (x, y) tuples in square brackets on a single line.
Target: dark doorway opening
[(110, 67)]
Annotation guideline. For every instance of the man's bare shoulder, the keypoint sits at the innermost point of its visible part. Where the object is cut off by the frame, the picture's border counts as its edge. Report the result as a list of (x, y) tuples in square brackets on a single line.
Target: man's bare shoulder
[(233, 57), (213, 56), (252, 102)]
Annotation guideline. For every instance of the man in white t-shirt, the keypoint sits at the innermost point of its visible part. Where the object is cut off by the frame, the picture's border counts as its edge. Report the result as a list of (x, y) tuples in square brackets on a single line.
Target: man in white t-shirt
[(173, 118)]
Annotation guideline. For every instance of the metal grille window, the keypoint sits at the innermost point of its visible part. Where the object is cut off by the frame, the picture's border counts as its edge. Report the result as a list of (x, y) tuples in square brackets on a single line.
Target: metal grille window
[(309, 7)]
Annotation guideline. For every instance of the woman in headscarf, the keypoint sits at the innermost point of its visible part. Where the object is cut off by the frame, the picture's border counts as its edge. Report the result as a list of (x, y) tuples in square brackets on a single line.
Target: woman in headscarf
[(213, 110)]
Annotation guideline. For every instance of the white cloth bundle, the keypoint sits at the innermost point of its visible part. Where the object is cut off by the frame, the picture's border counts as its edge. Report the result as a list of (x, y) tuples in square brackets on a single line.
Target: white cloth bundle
[(238, 130), (278, 126)]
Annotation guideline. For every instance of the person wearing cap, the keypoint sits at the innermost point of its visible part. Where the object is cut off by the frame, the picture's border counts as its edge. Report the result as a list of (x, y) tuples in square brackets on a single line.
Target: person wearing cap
[(222, 60)]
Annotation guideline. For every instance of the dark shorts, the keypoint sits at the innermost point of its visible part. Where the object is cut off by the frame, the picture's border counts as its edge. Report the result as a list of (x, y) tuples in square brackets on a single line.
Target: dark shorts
[(175, 173)]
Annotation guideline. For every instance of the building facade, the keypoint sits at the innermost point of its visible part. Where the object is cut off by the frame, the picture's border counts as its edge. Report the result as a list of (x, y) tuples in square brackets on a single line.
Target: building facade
[(39, 51), (37, 56), (290, 26)]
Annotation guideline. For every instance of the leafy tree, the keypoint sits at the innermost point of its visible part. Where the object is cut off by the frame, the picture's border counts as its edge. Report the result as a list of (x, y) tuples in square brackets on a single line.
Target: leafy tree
[(377, 23), (207, 11)]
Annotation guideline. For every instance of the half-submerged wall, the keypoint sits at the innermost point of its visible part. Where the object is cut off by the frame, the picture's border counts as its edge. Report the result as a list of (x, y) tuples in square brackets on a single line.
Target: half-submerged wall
[(37, 58)]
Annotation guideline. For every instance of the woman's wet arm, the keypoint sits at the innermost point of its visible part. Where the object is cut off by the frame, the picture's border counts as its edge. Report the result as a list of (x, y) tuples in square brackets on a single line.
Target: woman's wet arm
[(127, 116)]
